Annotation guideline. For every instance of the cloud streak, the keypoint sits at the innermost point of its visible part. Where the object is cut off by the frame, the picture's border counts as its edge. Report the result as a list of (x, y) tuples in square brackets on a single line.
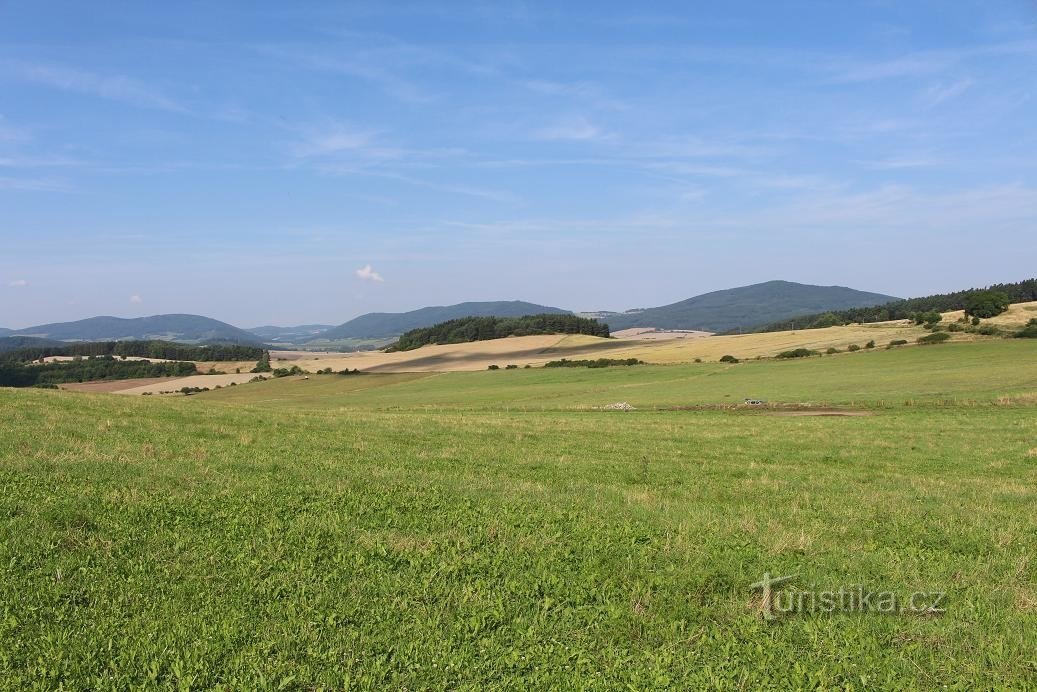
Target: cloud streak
[(119, 88)]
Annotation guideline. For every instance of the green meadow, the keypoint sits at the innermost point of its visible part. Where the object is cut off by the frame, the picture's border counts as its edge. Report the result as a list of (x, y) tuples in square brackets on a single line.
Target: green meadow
[(496, 530)]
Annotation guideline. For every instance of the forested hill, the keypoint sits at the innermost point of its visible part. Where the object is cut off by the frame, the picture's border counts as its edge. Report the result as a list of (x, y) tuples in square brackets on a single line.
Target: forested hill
[(164, 350), (380, 325), (746, 307), (484, 328), (1019, 292), (181, 328)]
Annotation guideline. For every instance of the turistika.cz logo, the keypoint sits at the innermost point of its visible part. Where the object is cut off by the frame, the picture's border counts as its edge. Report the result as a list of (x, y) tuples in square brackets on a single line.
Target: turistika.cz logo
[(777, 602)]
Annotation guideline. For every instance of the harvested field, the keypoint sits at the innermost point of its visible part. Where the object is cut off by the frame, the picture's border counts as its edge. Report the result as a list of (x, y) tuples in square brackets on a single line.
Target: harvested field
[(174, 384), (116, 385)]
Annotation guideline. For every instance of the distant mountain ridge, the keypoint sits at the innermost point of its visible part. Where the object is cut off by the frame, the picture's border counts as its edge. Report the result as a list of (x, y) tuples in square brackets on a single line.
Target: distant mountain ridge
[(746, 307), (177, 327), (299, 333), (380, 325)]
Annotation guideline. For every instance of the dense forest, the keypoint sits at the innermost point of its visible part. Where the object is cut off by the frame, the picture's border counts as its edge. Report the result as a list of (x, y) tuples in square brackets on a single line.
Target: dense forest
[(19, 374), (468, 329), (1020, 292), (144, 349)]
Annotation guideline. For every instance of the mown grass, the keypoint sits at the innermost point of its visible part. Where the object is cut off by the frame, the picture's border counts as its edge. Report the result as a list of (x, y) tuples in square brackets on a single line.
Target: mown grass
[(174, 543), (967, 372)]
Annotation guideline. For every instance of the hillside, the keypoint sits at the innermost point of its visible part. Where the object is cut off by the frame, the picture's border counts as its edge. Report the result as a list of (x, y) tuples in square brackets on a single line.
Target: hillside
[(1019, 292), (4, 331), (746, 306), (291, 335), (180, 328), (378, 325)]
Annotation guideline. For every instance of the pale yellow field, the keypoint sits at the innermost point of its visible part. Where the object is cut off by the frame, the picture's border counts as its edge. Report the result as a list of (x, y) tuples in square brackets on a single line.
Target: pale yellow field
[(1018, 315), (174, 384)]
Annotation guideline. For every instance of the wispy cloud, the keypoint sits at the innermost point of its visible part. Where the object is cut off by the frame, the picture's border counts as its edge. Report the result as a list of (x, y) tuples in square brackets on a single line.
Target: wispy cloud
[(367, 273), (574, 128), (33, 185), (338, 139), (119, 88), (18, 283), (912, 65), (136, 300), (938, 93)]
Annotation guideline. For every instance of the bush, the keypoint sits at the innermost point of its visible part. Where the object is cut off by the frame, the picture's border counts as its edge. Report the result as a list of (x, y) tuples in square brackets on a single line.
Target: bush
[(955, 327), (698, 360), (1029, 331), (898, 342), (987, 330), (831, 350), (728, 359), (599, 363), (934, 338), (511, 366), (928, 317), (797, 353), (975, 321), (853, 347), (870, 344), (493, 367)]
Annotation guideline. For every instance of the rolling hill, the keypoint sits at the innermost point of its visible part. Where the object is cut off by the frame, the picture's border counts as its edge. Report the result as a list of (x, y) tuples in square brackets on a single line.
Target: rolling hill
[(4, 331), (746, 307), (379, 325), (180, 328)]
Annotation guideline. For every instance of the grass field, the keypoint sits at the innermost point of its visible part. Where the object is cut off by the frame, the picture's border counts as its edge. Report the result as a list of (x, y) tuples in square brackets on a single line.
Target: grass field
[(491, 529), (980, 372)]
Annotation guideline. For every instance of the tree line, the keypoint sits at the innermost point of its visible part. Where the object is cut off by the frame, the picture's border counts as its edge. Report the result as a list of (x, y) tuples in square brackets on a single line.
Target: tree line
[(979, 302), (142, 349), (20, 374), (465, 329)]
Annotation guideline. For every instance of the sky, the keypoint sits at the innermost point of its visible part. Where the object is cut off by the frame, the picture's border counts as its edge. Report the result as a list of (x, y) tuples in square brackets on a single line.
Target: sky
[(289, 163)]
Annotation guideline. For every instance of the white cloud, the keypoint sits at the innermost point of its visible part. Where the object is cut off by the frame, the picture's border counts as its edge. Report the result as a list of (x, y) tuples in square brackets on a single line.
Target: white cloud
[(19, 283), (136, 299), (367, 273)]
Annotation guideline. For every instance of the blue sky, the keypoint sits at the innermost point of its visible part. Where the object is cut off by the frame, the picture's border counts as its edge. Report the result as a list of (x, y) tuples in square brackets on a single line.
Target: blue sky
[(308, 162)]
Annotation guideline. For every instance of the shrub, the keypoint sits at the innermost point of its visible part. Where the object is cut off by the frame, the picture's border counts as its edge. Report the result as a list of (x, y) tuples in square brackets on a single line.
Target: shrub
[(797, 353), (599, 363), (1029, 331), (728, 359), (493, 367), (898, 342), (955, 327), (511, 366), (831, 350), (853, 347), (698, 360), (987, 330), (975, 321), (870, 344), (934, 338)]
